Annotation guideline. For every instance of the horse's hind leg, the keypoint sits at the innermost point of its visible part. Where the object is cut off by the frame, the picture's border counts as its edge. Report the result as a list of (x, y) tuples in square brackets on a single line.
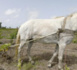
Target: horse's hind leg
[(28, 52), (19, 51), (54, 55), (19, 48), (60, 55)]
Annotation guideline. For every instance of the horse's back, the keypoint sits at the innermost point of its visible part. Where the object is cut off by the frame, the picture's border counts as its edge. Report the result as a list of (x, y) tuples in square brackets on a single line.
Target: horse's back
[(42, 23), (39, 27)]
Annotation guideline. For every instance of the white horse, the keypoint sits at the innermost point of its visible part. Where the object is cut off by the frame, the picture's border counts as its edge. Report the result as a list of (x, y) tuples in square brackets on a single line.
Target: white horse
[(38, 28)]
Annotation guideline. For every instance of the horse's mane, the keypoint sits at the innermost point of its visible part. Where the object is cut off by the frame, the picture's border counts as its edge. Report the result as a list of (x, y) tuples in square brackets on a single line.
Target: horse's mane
[(71, 15), (59, 17), (68, 17)]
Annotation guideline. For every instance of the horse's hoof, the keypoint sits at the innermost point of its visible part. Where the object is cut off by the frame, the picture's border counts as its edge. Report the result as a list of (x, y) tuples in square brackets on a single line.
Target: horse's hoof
[(49, 65)]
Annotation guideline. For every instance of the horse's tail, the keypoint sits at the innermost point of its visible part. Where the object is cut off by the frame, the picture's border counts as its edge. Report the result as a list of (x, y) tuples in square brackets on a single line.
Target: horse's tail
[(17, 42)]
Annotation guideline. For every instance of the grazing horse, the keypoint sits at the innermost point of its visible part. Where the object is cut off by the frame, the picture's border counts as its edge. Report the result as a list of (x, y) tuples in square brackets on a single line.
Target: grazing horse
[(46, 31)]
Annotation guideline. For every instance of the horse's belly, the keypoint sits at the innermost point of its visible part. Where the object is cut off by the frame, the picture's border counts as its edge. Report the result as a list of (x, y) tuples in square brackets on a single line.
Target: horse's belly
[(49, 39)]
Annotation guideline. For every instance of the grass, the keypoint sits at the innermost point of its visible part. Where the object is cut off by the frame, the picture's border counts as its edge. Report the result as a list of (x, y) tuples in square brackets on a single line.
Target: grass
[(75, 38), (8, 33), (1, 35), (74, 41), (28, 66), (67, 68), (4, 47), (0, 42), (13, 35)]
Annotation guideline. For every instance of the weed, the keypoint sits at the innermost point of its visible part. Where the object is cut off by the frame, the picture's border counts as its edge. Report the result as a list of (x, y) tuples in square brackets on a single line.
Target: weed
[(4, 47), (19, 64), (29, 66), (74, 41), (8, 33), (1, 36), (75, 38), (13, 35), (67, 68), (0, 42), (11, 41)]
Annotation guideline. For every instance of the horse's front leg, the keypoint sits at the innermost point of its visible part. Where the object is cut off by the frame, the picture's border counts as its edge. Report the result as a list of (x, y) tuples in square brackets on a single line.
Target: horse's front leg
[(54, 55), (28, 52), (60, 55)]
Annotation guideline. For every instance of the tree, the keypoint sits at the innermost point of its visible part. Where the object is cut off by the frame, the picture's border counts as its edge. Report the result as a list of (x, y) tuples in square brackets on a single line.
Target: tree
[(0, 24)]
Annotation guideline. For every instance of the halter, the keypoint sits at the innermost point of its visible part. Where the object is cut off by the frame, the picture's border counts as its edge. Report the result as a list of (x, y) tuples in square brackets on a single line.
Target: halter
[(63, 30)]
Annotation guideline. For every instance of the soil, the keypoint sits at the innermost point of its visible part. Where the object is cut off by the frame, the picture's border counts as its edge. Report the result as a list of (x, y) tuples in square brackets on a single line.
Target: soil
[(41, 53)]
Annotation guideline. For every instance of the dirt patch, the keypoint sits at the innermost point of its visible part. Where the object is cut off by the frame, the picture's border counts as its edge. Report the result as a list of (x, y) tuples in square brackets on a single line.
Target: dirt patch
[(41, 53), (3, 41)]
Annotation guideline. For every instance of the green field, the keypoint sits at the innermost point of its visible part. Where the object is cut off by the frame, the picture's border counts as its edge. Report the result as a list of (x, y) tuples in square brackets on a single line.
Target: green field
[(8, 33)]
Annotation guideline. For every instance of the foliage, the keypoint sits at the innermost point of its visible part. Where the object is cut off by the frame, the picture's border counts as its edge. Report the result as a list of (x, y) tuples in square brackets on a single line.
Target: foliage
[(67, 68), (5, 47), (19, 64), (74, 41), (8, 33), (0, 42), (13, 35), (1, 36), (0, 24), (3, 27), (28, 66), (75, 38)]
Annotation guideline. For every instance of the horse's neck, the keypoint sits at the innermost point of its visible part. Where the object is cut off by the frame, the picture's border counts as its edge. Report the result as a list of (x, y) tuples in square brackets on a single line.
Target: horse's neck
[(71, 24), (61, 23), (68, 26)]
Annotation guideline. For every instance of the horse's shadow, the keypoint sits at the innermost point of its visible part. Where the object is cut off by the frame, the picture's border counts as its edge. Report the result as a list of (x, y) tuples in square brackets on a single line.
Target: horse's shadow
[(69, 60)]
